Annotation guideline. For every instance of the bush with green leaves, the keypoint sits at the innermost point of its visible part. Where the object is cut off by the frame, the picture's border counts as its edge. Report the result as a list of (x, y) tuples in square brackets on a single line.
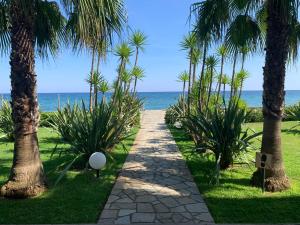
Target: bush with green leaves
[(96, 131), (255, 115), (292, 113), (6, 120), (175, 113), (223, 133)]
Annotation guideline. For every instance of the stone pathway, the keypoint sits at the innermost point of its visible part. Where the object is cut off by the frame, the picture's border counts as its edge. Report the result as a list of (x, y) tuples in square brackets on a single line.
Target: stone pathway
[(155, 185)]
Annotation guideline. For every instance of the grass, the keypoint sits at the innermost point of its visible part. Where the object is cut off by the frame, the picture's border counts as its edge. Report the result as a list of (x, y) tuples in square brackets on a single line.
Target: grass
[(234, 200), (78, 198)]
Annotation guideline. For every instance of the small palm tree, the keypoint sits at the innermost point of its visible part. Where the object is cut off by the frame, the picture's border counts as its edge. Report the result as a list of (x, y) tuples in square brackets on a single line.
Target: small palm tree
[(126, 79), (138, 73), (196, 55), (211, 63), (222, 52), (103, 87), (242, 76), (183, 77), (225, 81), (189, 44), (123, 51), (138, 41)]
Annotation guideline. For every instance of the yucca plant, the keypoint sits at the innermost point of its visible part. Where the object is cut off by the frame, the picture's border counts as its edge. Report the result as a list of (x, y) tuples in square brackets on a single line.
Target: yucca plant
[(223, 133), (6, 120)]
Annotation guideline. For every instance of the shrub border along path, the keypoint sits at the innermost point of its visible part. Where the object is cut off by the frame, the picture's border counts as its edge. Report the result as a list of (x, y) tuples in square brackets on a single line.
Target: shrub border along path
[(155, 185)]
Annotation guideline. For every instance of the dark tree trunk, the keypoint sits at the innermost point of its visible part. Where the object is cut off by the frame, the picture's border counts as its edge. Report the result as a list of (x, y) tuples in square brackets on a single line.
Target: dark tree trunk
[(135, 64), (200, 97), (220, 78), (92, 75), (273, 98), (27, 176), (232, 89), (189, 83), (209, 88)]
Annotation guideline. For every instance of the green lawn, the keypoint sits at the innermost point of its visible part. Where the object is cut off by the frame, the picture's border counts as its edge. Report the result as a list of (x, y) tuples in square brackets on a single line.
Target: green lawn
[(78, 198), (235, 201)]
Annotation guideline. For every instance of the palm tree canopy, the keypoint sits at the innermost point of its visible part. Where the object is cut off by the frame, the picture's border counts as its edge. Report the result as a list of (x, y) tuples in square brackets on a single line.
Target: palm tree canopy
[(212, 62), (222, 51), (123, 51), (49, 27), (103, 87), (243, 22), (126, 76), (78, 22), (189, 42), (196, 55), (138, 72), (138, 40), (183, 77)]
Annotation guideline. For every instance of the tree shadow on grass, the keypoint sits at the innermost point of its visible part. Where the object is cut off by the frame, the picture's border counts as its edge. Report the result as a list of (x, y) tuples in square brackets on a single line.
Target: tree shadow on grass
[(291, 131), (265, 209)]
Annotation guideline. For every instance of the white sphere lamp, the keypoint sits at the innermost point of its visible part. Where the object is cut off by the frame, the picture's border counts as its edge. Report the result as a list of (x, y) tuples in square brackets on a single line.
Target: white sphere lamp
[(97, 161)]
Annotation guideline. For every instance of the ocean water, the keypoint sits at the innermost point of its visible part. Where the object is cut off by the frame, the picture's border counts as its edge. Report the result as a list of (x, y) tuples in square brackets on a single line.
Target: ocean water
[(152, 100)]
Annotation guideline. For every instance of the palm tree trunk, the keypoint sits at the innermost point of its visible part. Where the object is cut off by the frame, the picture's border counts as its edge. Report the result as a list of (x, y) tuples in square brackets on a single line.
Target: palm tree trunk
[(209, 89), (27, 176), (220, 78), (273, 98), (200, 97), (224, 91), (95, 85), (92, 72), (183, 90), (189, 84), (135, 64), (232, 91), (194, 74)]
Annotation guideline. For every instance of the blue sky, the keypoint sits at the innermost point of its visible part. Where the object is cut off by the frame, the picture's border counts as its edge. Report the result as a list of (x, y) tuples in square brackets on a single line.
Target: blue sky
[(165, 23)]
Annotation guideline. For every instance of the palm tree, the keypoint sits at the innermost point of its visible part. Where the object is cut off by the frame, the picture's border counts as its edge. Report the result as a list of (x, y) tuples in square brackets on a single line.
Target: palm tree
[(196, 55), (123, 51), (183, 77), (281, 25), (189, 44), (222, 52), (138, 41), (38, 26), (126, 78), (138, 73), (225, 81), (211, 63), (96, 80), (103, 87), (241, 77)]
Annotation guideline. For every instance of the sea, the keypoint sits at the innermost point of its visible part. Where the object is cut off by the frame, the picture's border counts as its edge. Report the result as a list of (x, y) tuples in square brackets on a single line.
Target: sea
[(48, 102)]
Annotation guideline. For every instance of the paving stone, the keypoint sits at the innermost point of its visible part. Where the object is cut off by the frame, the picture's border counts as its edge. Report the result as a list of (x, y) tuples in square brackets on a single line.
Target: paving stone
[(197, 208), (155, 185), (109, 213), (160, 208), (126, 212), (145, 198), (123, 220), (144, 207), (169, 202), (143, 217)]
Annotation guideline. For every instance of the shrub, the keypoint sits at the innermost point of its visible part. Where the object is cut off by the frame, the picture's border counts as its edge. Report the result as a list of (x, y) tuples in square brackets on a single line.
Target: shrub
[(88, 132), (46, 118), (292, 113), (176, 113), (255, 115), (223, 133), (6, 120)]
